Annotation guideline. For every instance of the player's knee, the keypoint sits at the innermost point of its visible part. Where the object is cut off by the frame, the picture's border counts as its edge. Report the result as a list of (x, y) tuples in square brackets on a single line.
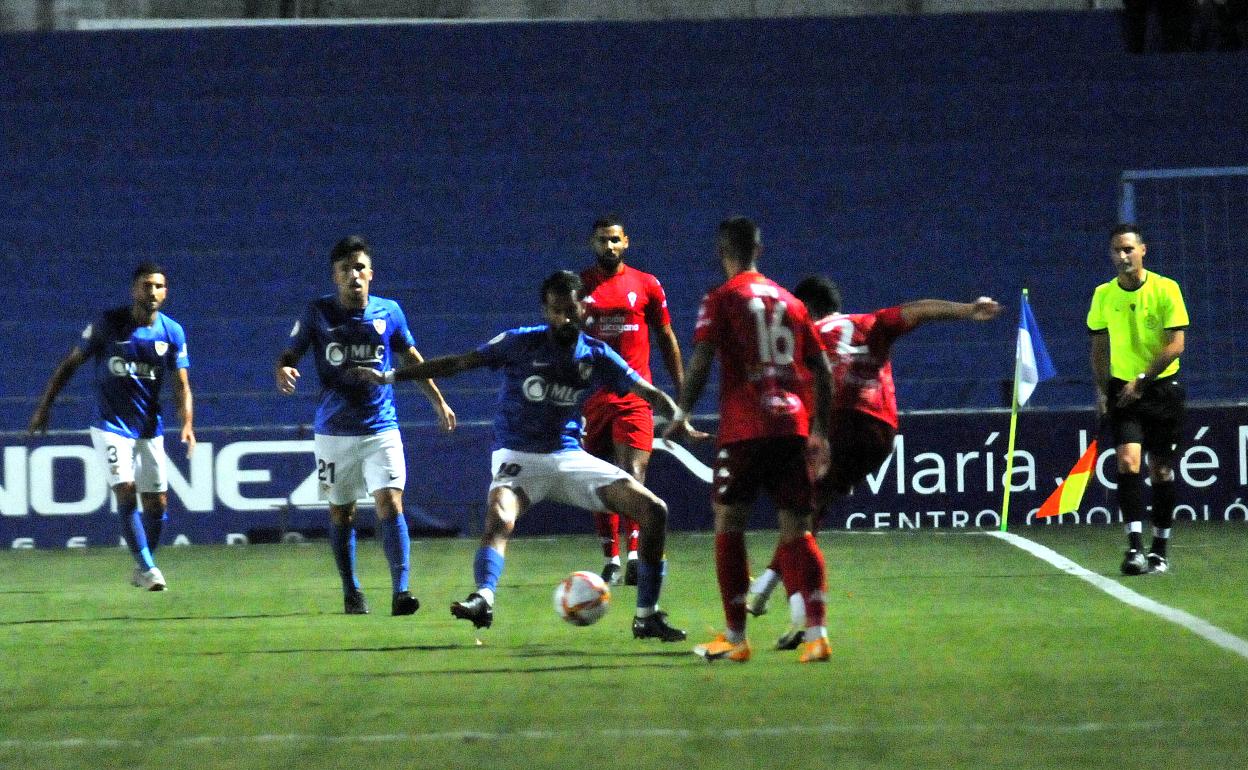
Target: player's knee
[(656, 514), (498, 526)]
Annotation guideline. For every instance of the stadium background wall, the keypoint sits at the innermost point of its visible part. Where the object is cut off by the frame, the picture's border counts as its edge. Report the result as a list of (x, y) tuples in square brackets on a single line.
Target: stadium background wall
[(946, 471), (907, 156)]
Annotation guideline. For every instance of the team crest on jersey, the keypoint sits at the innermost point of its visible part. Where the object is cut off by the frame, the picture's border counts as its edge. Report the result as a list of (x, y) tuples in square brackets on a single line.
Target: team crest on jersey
[(380, 325), (162, 347), (632, 298), (585, 369)]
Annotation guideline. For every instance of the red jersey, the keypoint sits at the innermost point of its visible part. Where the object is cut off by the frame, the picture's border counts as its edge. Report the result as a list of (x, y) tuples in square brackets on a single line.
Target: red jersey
[(620, 311), (859, 345), (763, 336)]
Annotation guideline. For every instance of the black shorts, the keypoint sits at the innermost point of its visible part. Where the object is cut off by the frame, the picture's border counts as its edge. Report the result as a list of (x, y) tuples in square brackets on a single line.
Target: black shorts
[(775, 465), (859, 443), (1154, 420)]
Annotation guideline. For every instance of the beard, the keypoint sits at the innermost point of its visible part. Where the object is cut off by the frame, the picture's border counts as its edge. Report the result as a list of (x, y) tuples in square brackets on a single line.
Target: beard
[(566, 335), (608, 261)]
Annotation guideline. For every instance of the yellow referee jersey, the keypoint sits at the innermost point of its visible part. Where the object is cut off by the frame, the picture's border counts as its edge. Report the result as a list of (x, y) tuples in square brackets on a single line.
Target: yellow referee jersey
[(1137, 322)]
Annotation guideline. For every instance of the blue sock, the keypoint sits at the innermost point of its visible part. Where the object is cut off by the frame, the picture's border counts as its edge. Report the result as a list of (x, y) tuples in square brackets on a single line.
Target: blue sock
[(487, 568), (136, 538), (650, 582), (397, 546), (342, 541), (154, 525)]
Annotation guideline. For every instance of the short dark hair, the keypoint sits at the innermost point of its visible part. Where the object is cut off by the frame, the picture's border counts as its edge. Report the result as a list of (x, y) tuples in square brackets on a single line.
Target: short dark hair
[(563, 282), (1127, 227), (608, 220), (820, 295), (742, 235), (147, 268), (347, 246)]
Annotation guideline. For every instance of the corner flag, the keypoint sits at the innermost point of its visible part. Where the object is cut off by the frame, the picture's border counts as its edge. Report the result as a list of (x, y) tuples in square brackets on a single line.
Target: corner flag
[(1069, 493), (1034, 364)]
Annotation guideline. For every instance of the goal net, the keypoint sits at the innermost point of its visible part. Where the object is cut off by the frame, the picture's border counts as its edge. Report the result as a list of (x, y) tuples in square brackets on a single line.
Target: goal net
[(1191, 217)]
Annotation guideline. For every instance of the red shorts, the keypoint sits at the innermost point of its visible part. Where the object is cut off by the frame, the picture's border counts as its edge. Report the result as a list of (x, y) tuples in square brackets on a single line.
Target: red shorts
[(859, 444), (612, 419), (776, 465)]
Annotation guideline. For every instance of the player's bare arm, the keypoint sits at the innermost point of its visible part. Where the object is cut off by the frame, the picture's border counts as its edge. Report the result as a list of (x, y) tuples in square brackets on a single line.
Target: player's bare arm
[(286, 375), (186, 408), (669, 348), (1173, 348), (61, 375), (924, 310), (446, 416), (442, 366), (1099, 360), (818, 449), (664, 406), (695, 382)]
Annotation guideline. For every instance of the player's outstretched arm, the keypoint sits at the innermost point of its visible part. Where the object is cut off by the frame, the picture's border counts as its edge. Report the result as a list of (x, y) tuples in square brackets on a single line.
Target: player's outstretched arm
[(924, 310), (446, 415), (61, 375), (664, 406), (442, 366)]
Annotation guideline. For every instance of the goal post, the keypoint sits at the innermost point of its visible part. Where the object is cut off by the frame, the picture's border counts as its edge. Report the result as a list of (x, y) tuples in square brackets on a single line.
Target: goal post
[(1194, 220)]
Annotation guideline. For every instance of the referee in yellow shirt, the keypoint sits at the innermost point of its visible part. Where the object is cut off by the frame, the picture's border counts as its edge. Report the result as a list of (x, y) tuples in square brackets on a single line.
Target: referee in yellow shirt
[(1137, 323)]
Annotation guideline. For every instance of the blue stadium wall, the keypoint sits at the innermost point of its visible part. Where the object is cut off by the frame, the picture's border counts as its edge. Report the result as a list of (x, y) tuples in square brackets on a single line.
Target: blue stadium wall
[(928, 156)]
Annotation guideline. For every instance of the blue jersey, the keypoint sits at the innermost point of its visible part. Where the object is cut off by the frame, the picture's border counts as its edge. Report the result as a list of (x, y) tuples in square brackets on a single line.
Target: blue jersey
[(130, 365), (545, 384), (340, 339)]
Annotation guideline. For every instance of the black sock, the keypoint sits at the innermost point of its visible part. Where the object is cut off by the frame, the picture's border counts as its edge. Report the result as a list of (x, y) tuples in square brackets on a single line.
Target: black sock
[(1163, 514), (1131, 501)]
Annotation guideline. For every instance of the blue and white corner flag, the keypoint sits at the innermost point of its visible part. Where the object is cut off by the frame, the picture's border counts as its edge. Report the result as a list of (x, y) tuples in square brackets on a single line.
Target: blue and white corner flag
[(1034, 364)]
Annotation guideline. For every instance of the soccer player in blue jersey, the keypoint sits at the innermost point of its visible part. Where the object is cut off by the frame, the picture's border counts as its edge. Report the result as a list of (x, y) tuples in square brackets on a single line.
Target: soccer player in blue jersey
[(133, 347), (356, 433), (548, 371)]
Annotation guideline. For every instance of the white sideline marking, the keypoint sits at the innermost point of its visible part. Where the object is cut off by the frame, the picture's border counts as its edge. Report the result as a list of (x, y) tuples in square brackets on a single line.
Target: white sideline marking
[(1200, 627), (460, 736)]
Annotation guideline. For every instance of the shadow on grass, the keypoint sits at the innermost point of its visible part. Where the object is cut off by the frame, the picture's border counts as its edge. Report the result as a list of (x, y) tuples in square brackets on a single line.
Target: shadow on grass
[(622, 666), (157, 618)]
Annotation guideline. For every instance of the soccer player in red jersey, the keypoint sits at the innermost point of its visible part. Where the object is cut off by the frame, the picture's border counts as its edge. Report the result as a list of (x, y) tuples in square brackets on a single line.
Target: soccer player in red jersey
[(864, 413), (775, 396), (624, 306)]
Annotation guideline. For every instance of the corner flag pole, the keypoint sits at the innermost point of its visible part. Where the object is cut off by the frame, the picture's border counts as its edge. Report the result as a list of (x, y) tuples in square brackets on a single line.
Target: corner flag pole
[(1009, 450)]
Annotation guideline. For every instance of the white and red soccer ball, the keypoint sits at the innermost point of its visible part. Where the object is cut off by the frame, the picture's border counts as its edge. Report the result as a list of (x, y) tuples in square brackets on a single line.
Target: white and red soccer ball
[(582, 598)]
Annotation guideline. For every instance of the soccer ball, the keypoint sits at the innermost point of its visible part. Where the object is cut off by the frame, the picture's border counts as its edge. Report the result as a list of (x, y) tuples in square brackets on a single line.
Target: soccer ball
[(582, 598)]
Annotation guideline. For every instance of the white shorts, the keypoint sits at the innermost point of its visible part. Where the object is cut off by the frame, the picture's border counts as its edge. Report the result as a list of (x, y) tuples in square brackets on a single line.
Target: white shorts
[(571, 476), (138, 461), (350, 467)]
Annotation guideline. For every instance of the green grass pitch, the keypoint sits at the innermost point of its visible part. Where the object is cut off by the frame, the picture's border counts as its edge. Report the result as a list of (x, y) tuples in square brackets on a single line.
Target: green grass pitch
[(949, 650)]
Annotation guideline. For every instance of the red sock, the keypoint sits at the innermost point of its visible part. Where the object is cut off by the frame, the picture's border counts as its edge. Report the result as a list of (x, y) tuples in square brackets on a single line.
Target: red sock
[(634, 533), (608, 524), (802, 569), (733, 572)]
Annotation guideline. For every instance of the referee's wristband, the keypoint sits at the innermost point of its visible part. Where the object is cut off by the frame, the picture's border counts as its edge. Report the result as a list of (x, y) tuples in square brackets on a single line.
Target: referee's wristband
[(388, 377)]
